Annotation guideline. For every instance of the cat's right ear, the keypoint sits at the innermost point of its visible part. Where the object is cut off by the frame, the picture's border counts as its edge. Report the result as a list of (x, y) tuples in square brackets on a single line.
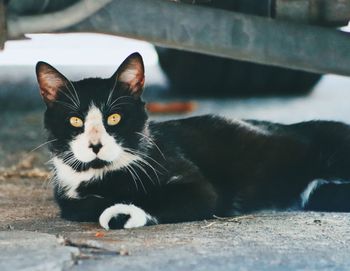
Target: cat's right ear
[(50, 82), (132, 73)]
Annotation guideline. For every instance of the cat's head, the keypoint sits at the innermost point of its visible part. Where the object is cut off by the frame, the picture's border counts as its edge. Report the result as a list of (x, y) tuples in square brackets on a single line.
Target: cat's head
[(94, 123)]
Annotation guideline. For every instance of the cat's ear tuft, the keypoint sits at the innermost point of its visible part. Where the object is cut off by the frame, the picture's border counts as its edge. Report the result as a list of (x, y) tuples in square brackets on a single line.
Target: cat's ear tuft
[(132, 73), (50, 81)]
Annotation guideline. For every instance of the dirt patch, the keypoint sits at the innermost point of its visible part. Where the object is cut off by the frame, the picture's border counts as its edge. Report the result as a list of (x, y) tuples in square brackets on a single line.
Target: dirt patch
[(25, 193), (25, 169)]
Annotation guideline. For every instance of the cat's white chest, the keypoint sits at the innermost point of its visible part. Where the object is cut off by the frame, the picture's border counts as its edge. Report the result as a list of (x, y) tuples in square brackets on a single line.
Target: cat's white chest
[(68, 179)]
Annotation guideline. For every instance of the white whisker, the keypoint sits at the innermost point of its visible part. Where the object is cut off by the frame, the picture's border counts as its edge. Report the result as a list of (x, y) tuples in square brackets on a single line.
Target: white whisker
[(71, 99), (75, 91), (144, 171), (145, 162), (132, 176), (122, 97), (117, 106), (151, 167), (138, 177), (152, 142), (146, 157), (41, 145), (111, 93), (67, 105)]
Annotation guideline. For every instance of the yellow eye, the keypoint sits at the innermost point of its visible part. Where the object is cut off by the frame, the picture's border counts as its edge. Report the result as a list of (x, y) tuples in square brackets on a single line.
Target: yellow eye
[(76, 122), (113, 119)]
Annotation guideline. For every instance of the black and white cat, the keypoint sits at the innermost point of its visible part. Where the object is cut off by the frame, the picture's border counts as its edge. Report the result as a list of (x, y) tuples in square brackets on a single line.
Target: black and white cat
[(114, 166)]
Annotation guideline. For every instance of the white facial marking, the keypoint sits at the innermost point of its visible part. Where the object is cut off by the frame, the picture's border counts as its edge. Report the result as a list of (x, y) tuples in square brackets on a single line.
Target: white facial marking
[(138, 217), (68, 179), (95, 133)]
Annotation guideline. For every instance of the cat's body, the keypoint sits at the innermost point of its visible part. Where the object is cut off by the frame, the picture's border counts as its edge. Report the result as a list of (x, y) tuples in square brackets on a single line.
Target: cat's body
[(144, 172)]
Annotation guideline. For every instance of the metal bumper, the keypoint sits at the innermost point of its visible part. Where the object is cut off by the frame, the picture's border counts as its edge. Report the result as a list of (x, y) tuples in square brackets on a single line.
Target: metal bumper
[(288, 41)]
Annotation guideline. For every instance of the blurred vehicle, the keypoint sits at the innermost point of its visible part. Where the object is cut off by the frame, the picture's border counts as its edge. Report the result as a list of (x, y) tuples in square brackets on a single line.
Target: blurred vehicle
[(290, 42)]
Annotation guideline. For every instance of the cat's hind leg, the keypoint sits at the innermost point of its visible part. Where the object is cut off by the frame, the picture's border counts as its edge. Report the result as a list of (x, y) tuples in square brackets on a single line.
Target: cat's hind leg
[(330, 198)]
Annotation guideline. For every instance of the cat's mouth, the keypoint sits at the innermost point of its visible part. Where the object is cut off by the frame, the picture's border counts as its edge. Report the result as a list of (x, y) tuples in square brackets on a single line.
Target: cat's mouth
[(94, 164), (98, 164)]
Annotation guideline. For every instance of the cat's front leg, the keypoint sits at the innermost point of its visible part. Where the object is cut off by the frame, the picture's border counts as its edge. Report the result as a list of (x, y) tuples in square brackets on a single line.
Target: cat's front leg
[(177, 202), (185, 195), (82, 209), (125, 216)]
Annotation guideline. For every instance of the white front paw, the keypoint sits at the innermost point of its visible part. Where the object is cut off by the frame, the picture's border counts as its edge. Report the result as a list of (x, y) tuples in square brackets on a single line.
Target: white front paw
[(138, 217)]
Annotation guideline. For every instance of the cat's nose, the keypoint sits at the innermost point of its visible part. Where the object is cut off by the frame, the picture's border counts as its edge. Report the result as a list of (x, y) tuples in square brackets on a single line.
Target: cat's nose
[(96, 147)]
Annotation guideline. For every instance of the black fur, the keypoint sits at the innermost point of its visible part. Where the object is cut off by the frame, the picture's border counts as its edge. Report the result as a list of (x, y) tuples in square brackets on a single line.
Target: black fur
[(201, 166)]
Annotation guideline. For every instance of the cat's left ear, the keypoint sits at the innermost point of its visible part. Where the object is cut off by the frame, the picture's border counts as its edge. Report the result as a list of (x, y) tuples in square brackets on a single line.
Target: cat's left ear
[(50, 82), (132, 73)]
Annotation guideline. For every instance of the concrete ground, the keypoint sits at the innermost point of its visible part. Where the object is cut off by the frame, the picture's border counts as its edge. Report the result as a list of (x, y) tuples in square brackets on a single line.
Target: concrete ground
[(33, 237)]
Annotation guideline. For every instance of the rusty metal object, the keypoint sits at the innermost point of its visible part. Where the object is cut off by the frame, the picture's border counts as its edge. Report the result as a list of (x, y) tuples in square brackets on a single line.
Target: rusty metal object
[(3, 32), (171, 107)]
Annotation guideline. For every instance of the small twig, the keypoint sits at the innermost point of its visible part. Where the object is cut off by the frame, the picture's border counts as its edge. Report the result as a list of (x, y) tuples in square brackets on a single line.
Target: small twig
[(234, 219), (87, 251), (209, 225), (67, 242), (220, 218), (239, 218)]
